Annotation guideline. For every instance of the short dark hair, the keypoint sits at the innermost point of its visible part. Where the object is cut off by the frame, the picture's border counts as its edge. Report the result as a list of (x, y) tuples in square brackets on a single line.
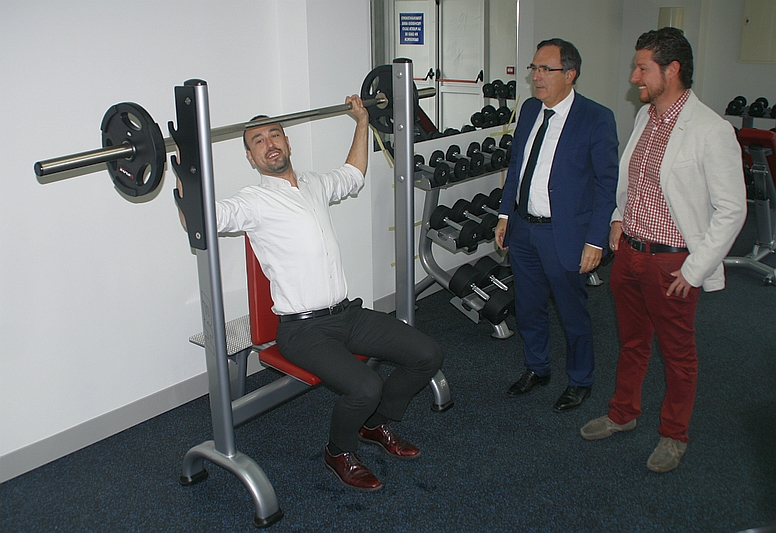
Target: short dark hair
[(257, 117), (569, 55), (669, 45)]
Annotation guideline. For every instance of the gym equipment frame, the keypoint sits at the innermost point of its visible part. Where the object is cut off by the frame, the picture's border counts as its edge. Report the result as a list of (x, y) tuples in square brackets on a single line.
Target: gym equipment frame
[(136, 164)]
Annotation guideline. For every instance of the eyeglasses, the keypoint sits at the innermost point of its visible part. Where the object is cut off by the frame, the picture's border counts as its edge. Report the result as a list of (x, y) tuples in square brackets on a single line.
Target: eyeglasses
[(543, 69)]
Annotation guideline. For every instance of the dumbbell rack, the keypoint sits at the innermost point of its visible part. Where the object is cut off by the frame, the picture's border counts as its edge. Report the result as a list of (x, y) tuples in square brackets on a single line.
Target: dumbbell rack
[(445, 238), (757, 109)]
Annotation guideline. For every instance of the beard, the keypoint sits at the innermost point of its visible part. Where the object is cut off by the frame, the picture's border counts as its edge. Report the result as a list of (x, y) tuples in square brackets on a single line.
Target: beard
[(276, 166), (654, 93)]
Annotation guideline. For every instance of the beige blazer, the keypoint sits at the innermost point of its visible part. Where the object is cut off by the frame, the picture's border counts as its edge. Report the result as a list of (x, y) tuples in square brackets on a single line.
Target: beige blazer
[(703, 183)]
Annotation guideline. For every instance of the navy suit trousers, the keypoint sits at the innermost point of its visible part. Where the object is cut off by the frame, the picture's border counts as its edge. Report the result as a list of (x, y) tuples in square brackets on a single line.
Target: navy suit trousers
[(537, 273)]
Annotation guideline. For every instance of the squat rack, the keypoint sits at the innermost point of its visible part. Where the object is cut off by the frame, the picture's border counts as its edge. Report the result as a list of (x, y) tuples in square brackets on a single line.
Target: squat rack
[(135, 151)]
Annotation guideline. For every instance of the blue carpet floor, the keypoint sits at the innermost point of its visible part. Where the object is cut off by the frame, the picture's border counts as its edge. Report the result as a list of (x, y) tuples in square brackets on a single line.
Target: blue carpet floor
[(491, 463)]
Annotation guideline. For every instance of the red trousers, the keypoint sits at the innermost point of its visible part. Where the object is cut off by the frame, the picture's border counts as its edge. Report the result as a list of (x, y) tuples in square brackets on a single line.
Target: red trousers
[(639, 282)]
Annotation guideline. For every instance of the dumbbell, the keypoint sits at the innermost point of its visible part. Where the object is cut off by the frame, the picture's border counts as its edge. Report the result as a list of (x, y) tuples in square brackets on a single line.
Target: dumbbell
[(467, 128), (460, 167), (489, 90), (505, 143), (489, 268), (481, 203), (503, 114), (438, 173), (467, 232), (736, 106), (485, 118), (512, 84), (773, 112), (451, 131), (476, 163), (498, 155), (758, 107), (461, 210), (497, 304), (493, 160)]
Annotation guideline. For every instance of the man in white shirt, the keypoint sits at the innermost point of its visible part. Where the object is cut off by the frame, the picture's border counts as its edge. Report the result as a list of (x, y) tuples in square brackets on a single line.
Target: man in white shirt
[(286, 217), (554, 216)]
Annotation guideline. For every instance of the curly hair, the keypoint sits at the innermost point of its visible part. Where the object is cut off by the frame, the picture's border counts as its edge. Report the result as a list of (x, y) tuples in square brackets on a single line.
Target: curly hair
[(668, 45)]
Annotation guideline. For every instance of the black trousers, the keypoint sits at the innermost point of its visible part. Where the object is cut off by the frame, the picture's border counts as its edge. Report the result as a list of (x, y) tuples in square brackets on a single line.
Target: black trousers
[(325, 347)]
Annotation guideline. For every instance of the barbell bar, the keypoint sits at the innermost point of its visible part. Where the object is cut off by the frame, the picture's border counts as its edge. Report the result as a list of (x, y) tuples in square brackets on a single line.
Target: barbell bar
[(135, 151), (127, 149)]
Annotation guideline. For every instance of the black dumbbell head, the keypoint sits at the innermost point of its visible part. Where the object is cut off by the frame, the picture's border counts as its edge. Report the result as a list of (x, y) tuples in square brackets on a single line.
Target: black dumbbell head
[(463, 279)]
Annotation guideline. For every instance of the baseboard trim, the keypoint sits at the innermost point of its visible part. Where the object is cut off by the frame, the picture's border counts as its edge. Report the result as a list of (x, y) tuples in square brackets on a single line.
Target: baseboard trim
[(56, 446)]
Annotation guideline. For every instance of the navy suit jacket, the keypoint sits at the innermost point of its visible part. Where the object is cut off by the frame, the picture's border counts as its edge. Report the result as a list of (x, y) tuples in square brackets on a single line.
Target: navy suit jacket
[(583, 177)]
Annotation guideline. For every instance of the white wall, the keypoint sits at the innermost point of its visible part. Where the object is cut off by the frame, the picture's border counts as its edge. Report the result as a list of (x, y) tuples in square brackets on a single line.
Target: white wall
[(98, 295)]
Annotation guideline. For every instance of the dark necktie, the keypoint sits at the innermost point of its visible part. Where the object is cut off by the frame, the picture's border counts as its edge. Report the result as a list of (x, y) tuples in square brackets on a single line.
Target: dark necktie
[(530, 166)]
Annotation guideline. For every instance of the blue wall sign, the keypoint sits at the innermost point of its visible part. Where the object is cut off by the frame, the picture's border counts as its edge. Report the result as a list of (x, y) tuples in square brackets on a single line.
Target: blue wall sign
[(411, 28)]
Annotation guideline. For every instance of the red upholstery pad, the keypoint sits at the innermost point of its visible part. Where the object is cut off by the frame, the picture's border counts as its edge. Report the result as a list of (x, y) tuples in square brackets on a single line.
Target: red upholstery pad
[(764, 138), (264, 323)]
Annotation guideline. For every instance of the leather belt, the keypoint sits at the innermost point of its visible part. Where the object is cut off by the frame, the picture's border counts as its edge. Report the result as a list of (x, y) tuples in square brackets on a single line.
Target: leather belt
[(537, 220), (318, 313), (652, 247)]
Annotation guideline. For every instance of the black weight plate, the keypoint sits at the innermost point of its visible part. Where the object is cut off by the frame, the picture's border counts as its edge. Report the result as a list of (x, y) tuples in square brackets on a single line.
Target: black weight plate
[(477, 164), (453, 151), (379, 80), (498, 159), (488, 145), (476, 207), (437, 156), (469, 234), (438, 216), (473, 148), (419, 161), (505, 142), (497, 307), (486, 266), (494, 199), (488, 91), (460, 170), (441, 174), (461, 282), (128, 123), (457, 212), (488, 226), (478, 119)]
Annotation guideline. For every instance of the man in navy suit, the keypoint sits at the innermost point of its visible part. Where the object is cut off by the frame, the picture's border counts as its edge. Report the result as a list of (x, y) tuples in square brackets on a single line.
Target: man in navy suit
[(557, 202)]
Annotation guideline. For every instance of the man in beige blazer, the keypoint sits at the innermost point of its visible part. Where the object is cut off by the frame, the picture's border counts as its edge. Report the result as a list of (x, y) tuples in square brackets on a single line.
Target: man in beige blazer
[(681, 202)]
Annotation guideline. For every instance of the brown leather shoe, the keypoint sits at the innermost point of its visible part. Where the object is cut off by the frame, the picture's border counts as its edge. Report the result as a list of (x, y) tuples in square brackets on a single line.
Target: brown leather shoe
[(350, 471), (389, 441)]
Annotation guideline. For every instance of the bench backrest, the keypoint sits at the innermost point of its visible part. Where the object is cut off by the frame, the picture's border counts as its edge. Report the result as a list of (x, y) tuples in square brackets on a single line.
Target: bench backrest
[(264, 323), (764, 138)]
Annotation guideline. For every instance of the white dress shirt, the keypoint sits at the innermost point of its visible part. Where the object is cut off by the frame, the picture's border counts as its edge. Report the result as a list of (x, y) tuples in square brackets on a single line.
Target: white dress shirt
[(539, 197), (292, 235)]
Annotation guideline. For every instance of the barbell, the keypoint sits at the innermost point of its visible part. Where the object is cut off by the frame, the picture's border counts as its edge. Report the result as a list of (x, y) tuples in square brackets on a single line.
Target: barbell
[(135, 151)]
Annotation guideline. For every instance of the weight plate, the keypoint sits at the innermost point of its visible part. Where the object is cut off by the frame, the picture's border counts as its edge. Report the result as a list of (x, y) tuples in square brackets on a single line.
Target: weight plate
[(497, 307), (494, 199), (379, 81), (498, 159), (128, 123), (469, 235), (463, 279), (489, 144), (460, 170), (473, 148), (452, 152), (441, 174), (476, 207), (438, 216), (437, 156), (477, 164), (457, 213)]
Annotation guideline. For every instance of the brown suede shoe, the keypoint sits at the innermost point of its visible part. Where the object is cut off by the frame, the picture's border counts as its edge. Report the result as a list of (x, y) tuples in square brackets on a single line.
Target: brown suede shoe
[(351, 471), (389, 441)]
